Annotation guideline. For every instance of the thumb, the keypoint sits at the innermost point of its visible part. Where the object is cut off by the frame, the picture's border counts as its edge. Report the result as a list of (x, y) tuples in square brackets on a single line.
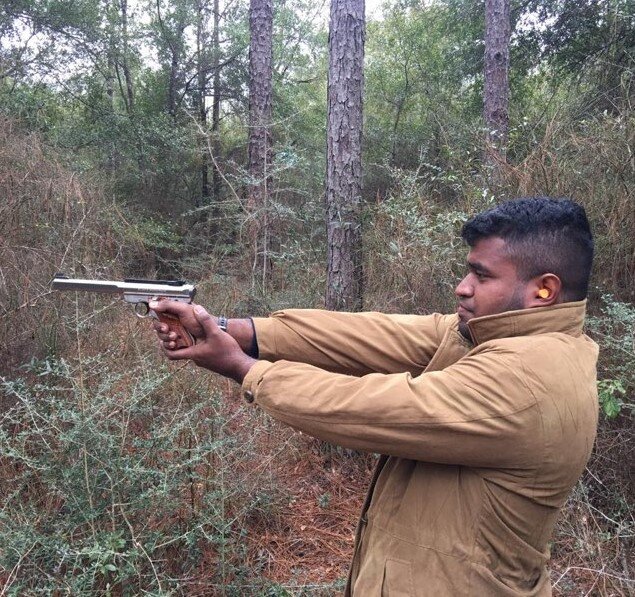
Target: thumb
[(205, 319)]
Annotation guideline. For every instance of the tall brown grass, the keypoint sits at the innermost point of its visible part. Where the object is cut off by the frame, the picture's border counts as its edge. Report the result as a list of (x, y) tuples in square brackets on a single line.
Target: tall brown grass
[(51, 220)]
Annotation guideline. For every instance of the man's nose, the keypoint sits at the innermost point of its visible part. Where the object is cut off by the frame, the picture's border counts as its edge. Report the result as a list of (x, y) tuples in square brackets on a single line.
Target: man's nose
[(464, 288)]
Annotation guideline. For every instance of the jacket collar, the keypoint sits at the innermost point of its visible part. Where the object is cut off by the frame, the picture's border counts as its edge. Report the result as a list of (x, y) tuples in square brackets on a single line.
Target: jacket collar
[(566, 318)]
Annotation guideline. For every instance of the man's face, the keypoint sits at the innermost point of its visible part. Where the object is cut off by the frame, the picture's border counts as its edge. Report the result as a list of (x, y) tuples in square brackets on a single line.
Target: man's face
[(491, 285)]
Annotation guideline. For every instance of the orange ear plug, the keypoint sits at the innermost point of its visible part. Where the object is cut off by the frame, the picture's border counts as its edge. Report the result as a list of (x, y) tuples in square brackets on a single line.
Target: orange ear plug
[(543, 293)]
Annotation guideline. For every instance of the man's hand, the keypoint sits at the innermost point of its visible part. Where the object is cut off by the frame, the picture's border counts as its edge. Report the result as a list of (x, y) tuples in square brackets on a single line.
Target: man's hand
[(214, 349)]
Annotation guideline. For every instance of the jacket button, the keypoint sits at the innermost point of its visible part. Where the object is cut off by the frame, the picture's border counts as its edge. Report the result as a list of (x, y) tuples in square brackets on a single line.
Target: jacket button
[(249, 396)]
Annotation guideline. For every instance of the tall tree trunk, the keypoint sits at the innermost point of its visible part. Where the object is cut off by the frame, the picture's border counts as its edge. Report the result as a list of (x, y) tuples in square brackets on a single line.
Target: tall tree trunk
[(125, 65), (344, 155), (173, 40), (216, 103), (496, 93), (110, 94), (172, 83), (201, 74), (260, 75)]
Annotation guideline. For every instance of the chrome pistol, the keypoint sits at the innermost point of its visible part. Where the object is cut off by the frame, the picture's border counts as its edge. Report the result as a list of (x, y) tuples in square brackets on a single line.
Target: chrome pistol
[(139, 293)]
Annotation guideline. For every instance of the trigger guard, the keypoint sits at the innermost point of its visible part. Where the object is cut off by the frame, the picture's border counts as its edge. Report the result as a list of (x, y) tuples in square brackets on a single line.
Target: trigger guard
[(142, 310)]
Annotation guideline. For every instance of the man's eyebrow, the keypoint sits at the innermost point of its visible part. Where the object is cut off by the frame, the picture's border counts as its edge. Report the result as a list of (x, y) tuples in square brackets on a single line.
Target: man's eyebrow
[(478, 267)]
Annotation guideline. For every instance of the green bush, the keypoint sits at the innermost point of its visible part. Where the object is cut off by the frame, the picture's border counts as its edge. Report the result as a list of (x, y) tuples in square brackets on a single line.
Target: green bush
[(614, 330), (120, 482)]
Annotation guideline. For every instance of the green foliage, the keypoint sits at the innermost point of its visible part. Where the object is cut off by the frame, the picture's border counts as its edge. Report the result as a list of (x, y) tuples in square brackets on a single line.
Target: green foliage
[(110, 472), (614, 330), (156, 234), (413, 250), (590, 40), (78, 514), (610, 392), (102, 461), (37, 106), (414, 79)]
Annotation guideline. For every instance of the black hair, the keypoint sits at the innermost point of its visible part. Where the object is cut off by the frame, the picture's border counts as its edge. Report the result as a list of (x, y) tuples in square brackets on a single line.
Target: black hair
[(543, 235)]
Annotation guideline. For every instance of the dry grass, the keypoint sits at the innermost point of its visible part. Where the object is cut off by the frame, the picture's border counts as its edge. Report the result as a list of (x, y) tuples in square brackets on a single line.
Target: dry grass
[(50, 221), (592, 552)]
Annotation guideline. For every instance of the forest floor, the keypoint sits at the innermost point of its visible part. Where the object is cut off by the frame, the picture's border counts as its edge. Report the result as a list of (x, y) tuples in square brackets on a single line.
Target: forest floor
[(307, 539)]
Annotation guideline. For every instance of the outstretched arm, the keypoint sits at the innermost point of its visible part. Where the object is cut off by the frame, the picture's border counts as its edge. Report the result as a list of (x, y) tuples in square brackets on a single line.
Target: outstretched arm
[(352, 343), (349, 343), (477, 412)]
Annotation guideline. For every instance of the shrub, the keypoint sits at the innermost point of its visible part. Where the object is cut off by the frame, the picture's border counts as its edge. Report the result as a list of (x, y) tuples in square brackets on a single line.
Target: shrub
[(126, 480)]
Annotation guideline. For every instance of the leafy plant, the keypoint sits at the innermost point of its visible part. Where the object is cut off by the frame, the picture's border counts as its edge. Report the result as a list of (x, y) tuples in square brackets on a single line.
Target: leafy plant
[(614, 329), (610, 393), (110, 472)]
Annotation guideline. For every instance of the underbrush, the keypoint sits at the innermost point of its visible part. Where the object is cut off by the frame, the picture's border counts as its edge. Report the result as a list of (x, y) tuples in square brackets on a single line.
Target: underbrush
[(130, 479), (595, 537), (123, 475), (592, 162), (126, 476), (52, 220), (99, 467)]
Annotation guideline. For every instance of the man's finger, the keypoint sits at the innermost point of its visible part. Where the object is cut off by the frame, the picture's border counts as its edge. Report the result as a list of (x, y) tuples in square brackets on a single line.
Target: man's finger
[(167, 336), (206, 320), (176, 354), (168, 306), (160, 327)]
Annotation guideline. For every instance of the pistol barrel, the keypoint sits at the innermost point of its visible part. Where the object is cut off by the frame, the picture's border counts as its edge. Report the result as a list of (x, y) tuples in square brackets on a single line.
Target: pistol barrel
[(160, 288)]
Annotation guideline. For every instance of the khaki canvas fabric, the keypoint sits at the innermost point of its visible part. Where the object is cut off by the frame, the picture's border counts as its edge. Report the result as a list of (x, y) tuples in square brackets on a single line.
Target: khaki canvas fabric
[(481, 443)]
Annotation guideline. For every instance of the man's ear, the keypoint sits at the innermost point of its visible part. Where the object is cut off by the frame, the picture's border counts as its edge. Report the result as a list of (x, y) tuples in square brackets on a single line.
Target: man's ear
[(545, 290)]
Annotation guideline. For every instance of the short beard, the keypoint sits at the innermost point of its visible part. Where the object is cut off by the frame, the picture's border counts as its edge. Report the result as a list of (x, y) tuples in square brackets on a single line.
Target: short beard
[(465, 331), (516, 303)]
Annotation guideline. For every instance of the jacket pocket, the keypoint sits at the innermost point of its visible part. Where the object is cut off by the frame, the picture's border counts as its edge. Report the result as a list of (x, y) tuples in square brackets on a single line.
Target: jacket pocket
[(397, 581)]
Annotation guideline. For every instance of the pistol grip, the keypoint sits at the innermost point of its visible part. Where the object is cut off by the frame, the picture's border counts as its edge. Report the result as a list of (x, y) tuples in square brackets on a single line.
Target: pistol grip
[(184, 338)]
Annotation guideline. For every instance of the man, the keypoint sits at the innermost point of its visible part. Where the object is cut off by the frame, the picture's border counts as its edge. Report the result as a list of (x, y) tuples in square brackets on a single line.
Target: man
[(485, 418)]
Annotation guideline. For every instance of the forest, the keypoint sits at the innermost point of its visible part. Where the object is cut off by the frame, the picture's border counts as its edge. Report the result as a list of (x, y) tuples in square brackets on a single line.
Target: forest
[(193, 140)]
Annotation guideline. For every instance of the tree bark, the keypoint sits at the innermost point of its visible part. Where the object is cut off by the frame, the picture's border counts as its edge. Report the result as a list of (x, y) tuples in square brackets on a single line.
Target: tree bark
[(216, 103), (173, 40), (125, 65), (110, 94), (202, 68), (344, 155), (496, 92), (260, 85)]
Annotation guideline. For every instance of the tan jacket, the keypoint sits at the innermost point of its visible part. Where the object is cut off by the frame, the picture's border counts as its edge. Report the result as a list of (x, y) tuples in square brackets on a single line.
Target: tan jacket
[(483, 442)]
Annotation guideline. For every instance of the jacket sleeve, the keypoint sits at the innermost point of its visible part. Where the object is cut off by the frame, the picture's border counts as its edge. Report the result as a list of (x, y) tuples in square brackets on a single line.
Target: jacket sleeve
[(352, 343), (477, 412)]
